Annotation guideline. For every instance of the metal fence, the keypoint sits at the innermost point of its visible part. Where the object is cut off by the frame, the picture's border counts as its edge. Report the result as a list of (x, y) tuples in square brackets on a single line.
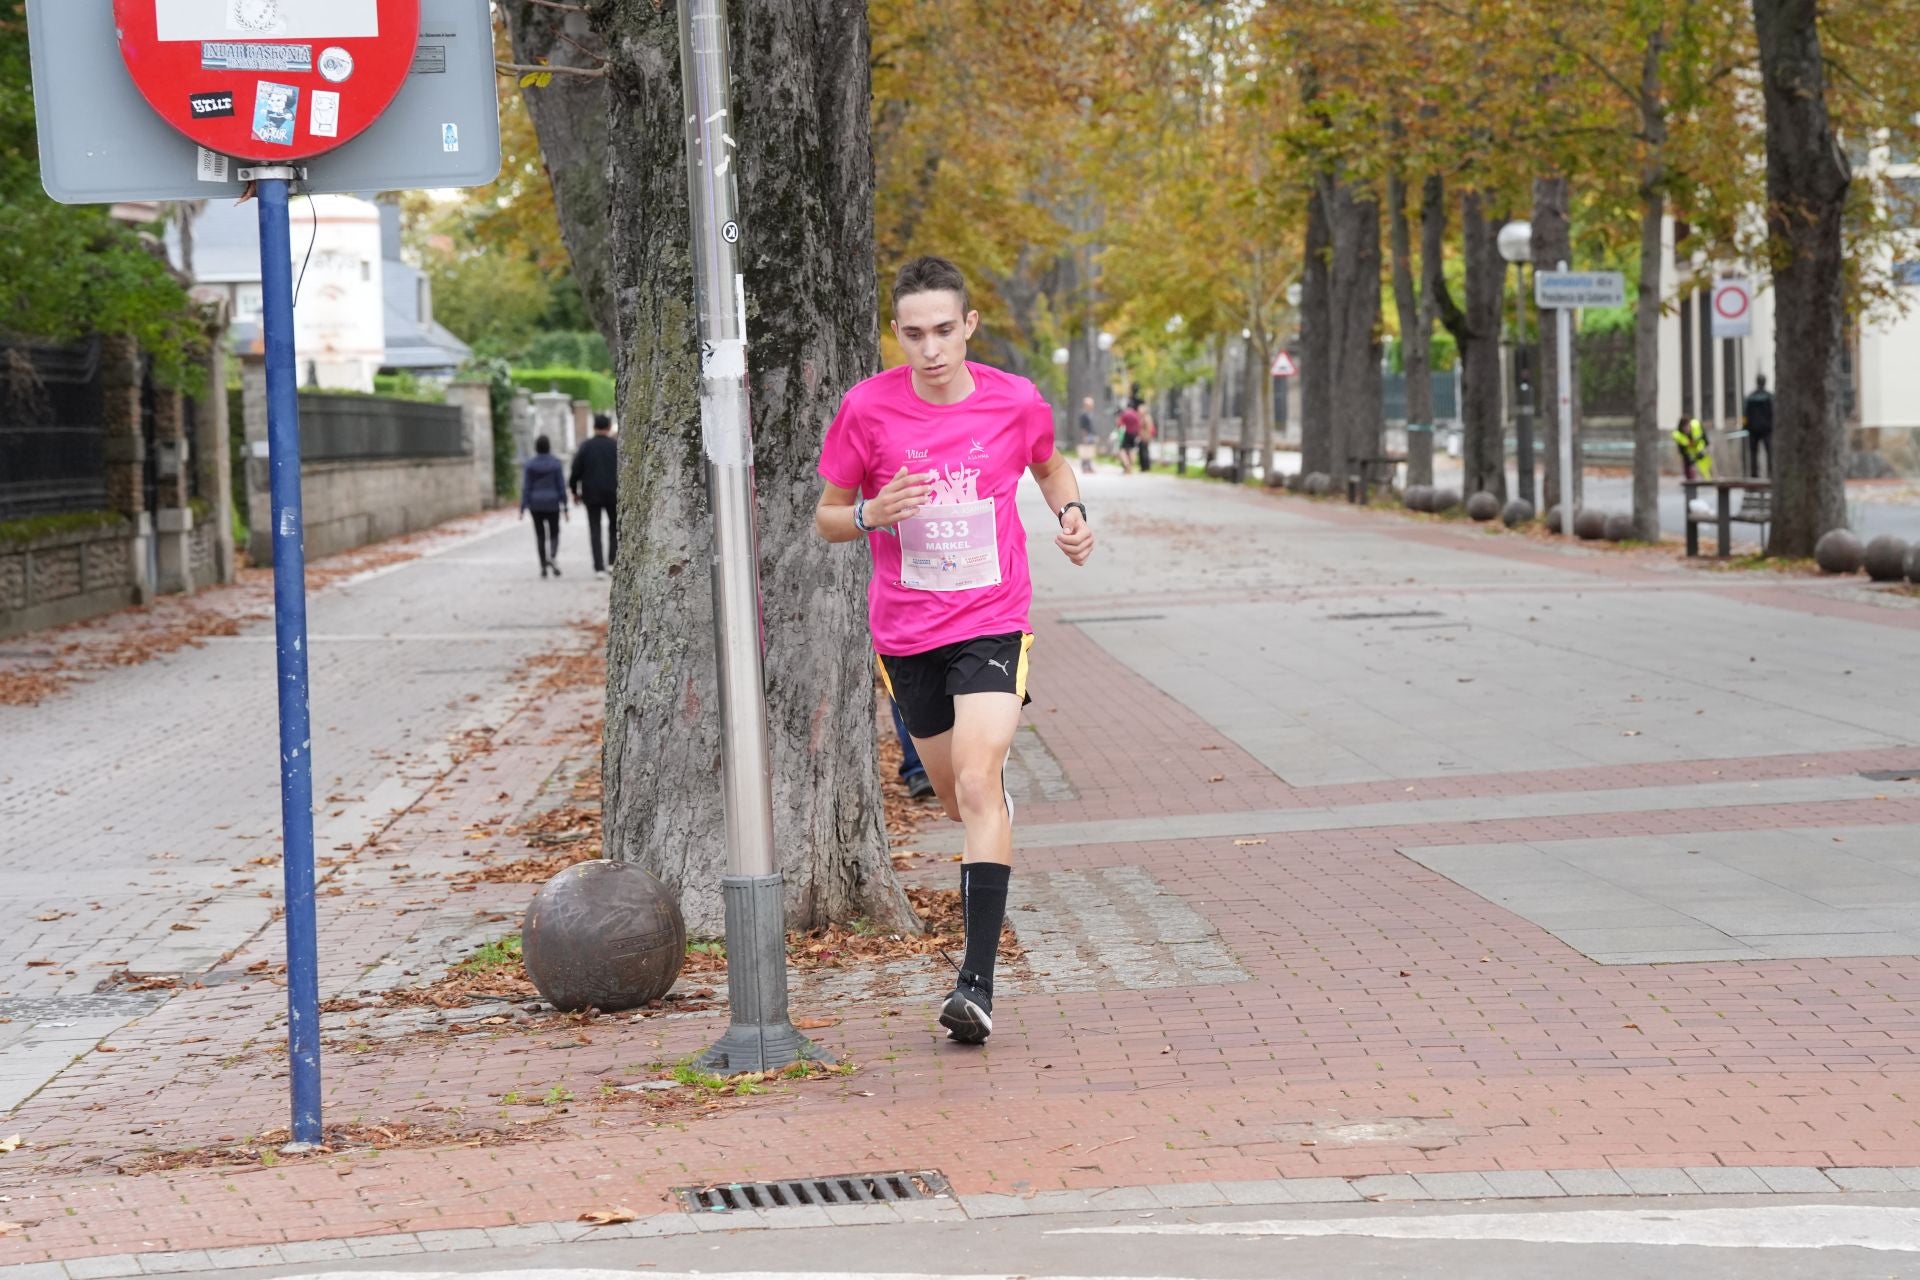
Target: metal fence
[(52, 430), (1446, 396), (1606, 373), (350, 428)]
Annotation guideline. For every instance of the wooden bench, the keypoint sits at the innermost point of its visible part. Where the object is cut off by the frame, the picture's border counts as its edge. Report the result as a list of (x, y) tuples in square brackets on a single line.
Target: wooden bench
[(1756, 507), (1363, 472)]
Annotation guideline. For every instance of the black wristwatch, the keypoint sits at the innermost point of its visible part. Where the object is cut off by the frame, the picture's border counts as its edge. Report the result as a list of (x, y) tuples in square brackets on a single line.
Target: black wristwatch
[(1061, 514)]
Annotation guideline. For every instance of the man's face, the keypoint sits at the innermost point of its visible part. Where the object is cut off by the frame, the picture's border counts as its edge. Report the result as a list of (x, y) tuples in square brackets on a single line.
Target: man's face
[(1086, 402), (933, 332)]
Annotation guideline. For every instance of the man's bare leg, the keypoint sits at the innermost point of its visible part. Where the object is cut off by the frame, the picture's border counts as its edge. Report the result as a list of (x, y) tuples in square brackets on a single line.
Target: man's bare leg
[(971, 760)]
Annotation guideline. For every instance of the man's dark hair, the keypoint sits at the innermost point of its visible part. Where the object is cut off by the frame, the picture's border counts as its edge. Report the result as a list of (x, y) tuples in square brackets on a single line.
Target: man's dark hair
[(542, 445), (603, 422), (1760, 381), (926, 275)]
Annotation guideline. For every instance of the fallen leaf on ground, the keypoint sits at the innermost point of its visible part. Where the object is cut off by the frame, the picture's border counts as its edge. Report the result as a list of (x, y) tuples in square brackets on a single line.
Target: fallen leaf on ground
[(1245, 843), (1218, 777), (609, 1217), (9, 1228), (815, 1024), (9, 1143)]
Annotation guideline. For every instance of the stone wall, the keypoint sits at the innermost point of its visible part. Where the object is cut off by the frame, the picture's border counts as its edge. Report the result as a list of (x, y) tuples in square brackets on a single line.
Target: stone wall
[(63, 577)]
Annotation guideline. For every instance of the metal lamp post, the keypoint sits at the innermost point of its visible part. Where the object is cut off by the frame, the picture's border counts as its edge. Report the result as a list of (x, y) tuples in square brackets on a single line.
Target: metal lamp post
[(761, 1036), (1516, 246)]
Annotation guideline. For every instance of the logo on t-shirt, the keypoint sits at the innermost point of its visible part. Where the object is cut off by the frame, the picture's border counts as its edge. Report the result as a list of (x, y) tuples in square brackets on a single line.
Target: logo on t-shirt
[(978, 453), (916, 455)]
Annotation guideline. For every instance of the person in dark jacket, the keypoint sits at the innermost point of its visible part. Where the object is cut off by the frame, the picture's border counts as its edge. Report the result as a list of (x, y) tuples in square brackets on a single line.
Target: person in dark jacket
[(1757, 416), (543, 492), (595, 480)]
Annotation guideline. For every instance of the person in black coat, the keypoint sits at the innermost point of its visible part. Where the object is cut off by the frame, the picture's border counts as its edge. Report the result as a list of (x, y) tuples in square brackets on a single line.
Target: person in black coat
[(543, 493), (595, 482)]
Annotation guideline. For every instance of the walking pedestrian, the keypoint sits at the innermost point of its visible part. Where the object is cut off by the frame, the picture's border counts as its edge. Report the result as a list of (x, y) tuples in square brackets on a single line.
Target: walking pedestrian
[(925, 461), (1695, 455), (543, 494), (1756, 415), (1129, 437), (1088, 442), (595, 482), (1148, 431)]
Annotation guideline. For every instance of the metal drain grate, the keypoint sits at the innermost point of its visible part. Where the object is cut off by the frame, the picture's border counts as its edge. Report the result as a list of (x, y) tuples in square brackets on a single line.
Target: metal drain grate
[(1891, 775), (842, 1188)]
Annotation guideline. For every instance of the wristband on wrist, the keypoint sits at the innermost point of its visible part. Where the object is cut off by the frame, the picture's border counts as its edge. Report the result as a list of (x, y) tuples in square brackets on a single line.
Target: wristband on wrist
[(860, 522), (1061, 514)]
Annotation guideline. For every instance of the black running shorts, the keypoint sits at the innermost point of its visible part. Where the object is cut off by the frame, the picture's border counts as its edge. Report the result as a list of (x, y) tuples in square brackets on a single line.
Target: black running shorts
[(925, 684)]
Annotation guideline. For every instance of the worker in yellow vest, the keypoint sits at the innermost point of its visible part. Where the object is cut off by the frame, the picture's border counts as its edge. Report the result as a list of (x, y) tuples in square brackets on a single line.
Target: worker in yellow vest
[(1695, 455)]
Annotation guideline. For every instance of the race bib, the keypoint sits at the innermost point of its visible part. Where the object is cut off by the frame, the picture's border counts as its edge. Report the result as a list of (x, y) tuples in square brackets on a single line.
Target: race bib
[(950, 547)]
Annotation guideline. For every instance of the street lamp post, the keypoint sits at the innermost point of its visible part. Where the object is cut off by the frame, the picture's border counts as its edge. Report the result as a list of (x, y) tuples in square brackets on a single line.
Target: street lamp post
[(1516, 246)]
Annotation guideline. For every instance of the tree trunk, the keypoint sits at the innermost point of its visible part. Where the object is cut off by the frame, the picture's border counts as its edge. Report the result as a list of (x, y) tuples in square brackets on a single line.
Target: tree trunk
[(1216, 402), (570, 118), (1355, 307), (800, 103), (1249, 412), (1477, 331), (1647, 442), (1552, 245), (1416, 335), (1317, 434), (1433, 250), (1807, 180)]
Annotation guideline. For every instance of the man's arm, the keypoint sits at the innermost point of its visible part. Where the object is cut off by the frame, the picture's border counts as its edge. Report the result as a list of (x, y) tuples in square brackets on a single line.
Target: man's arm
[(1059, 486), (833, 514), (903, 495), (573, 473)]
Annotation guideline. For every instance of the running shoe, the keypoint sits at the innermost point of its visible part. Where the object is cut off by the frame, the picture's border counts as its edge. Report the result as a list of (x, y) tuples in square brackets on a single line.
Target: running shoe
[(968, 1013)]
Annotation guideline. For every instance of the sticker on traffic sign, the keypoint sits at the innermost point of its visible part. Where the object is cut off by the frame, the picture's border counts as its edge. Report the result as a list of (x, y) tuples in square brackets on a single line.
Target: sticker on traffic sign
[(1283, 365), (272, 80), (1732, 307)]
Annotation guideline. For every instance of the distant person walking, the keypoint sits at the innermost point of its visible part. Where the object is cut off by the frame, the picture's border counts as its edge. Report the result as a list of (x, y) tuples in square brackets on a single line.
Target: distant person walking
[(1129, 437), (1695, 456), (1757, 417), (543, 494), (1089, 442), (595, 481), (1149, 429)]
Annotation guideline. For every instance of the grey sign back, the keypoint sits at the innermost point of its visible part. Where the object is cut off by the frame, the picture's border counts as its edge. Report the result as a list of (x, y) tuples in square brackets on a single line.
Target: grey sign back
[(100, 142)]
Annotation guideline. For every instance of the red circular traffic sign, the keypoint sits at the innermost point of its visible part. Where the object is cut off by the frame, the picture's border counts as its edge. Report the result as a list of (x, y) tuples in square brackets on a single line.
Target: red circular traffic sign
[(268, 80), (1730, 299)]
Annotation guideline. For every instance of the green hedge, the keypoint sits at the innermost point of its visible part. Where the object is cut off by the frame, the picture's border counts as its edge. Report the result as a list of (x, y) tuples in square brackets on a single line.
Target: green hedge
[(581, 384), (14, 533)]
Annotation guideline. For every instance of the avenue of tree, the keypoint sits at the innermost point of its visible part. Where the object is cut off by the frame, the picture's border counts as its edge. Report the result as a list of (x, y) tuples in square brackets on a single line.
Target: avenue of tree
[(1174, 173)]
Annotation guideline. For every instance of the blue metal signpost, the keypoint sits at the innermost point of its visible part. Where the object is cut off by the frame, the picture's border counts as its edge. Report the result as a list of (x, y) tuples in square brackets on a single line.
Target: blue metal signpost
[(290, 647)]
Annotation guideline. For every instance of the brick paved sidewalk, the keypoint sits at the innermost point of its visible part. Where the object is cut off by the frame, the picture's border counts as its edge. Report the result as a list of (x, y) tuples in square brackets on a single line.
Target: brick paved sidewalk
[(1309, 1003)]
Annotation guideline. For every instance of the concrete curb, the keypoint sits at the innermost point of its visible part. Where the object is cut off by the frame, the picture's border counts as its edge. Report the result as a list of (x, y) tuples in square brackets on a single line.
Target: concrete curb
[(1498, 1184)]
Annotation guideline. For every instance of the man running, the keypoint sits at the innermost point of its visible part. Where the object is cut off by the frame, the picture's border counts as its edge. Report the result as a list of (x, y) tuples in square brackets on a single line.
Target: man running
[(925, 462)]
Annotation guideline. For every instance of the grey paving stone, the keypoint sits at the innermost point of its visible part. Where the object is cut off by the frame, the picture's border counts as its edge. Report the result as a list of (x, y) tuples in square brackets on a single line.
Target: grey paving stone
[(1260, 1191), (1061, 1202), (862, 1215), (1590, 1182), (316, 1251), (1124, 1198), (1866, 1179), (36, 1271), (1659, 1182), (995, 1206), (741, 1220), (1799, 1178), (453, 1240), (385, 1246), (244, 1255), (1188, 1195), (1717, 1180), (795, 1215), (104, 1266), (182, 1262), (1389, 1186), (939, 1209), (1529, 1184), (522, 1233), (1454, 1186), (1320, 1190)]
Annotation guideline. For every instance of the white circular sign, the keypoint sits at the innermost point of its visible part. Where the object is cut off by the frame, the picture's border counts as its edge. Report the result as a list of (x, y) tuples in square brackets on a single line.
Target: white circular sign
[(1730, 299), (335, 64)]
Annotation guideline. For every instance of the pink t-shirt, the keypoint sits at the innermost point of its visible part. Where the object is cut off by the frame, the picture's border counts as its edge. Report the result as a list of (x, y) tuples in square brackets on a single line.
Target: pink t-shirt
[(977, 449)]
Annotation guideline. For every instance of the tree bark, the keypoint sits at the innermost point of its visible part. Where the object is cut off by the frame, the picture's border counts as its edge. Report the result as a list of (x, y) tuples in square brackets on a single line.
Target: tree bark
[(1216, 402), (1416, 334), (570, 119), (1355, 306), (1477, 331), (1807, 180), (1552, 245), (1647, 443), (1317, 434), (800, 106)]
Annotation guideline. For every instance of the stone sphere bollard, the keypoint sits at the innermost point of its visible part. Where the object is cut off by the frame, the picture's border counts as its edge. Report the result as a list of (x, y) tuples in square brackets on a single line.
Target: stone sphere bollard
[(1275, 480), (1913, 564), (1590, 525), (1838, 551), (605, 935), (1553, 518), (1517, 513), (1483, 506), (1886, 558), (1420, 498), (1319, 484), (1445, 499), (1619, 526)]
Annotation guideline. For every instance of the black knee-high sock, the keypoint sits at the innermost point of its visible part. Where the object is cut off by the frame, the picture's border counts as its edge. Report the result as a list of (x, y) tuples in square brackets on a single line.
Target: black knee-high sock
[(983, 896)]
